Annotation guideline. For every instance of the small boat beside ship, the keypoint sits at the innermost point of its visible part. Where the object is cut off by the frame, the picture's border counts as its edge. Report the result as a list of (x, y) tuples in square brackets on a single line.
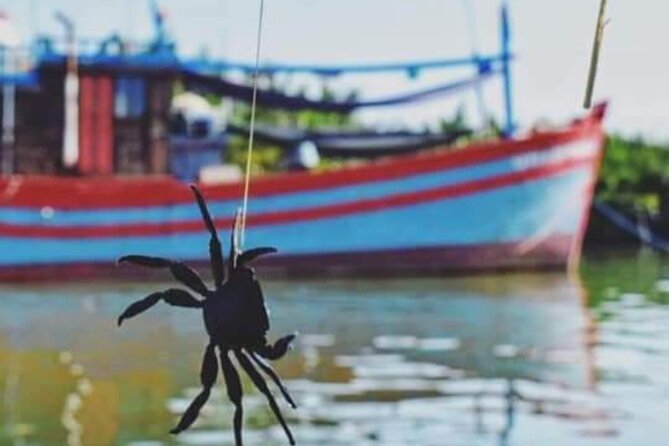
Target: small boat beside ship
[(422, 205)]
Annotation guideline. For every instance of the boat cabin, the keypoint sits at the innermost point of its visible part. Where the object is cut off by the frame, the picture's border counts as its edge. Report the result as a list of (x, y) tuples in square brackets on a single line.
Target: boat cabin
[(108, 108), (122, 128), (119, 116)]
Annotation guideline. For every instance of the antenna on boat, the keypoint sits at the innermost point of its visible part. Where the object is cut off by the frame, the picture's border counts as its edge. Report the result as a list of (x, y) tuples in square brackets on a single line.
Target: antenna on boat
[(159, 26), (594, 57), (510, 124), (247, 177)]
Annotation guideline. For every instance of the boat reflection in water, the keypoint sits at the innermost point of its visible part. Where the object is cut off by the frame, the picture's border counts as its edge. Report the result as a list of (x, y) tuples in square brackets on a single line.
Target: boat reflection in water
[(430, 361)]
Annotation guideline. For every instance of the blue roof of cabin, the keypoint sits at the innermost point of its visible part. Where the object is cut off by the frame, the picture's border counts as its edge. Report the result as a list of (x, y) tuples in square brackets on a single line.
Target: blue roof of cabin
[(111, 55), (144, 62)]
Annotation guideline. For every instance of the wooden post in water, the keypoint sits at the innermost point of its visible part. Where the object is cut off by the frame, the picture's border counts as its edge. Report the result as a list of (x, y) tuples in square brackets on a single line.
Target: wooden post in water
[(594, 58)]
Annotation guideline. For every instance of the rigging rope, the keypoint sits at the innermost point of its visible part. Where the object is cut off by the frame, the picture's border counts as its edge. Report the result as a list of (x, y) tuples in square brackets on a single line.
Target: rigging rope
[(209, 84), (642, 232), (247, 177)]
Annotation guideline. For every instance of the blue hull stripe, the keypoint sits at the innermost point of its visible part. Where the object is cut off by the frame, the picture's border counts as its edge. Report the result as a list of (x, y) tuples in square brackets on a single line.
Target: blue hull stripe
[(508, 214)]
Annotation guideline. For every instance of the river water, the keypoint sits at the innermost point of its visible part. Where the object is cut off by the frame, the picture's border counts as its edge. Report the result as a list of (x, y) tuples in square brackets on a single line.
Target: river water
[(534, 359)]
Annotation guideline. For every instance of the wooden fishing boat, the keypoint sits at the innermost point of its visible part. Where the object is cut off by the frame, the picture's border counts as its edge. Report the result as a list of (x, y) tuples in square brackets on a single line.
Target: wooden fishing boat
[(508, 204), (91, 155)]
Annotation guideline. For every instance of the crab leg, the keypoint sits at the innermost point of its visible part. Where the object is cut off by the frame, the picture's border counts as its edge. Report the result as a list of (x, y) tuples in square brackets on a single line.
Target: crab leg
[(234, 386), (278, 350), (179, 270), (215, 252), (262, 387), (208, 374), (273, 375), (172, 296)]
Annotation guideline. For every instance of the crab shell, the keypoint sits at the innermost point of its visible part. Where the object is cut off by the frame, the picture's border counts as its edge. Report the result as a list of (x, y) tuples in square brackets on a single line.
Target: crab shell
[(236, 316)]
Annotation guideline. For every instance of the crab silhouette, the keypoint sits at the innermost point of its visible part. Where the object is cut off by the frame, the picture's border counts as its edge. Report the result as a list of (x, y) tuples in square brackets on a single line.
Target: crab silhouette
[(235, 318)]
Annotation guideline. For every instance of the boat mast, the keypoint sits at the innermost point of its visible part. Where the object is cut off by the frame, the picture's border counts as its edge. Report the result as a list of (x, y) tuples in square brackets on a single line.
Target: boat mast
[(594, 58), (510, 124), (71, 93)]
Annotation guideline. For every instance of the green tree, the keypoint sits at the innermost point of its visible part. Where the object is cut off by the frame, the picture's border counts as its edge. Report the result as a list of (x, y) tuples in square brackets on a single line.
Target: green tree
[(634, 174)]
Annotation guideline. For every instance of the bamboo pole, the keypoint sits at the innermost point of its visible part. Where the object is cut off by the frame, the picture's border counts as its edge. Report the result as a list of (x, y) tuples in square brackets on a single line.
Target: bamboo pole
[(594, 58)]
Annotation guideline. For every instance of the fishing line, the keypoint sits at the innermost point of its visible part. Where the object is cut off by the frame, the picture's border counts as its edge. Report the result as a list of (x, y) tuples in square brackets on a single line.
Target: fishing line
[(247, 178)]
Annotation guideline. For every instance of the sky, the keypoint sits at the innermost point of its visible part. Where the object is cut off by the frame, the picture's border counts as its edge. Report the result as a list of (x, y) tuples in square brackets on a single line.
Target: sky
[(552, 42)]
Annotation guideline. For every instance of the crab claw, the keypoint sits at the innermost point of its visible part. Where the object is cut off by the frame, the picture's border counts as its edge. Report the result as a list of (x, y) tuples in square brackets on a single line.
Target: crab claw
[(252, 254), (148, 261), (138, 307), (283, 345), (286, 343), (279, 349), (121, 260)]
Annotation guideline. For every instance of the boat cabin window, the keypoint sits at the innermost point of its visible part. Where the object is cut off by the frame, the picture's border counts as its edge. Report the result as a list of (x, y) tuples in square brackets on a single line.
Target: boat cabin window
[(129, 97)]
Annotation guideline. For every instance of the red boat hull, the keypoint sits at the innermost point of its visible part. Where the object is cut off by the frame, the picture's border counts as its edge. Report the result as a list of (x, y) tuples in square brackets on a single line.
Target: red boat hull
[(498, 205)]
